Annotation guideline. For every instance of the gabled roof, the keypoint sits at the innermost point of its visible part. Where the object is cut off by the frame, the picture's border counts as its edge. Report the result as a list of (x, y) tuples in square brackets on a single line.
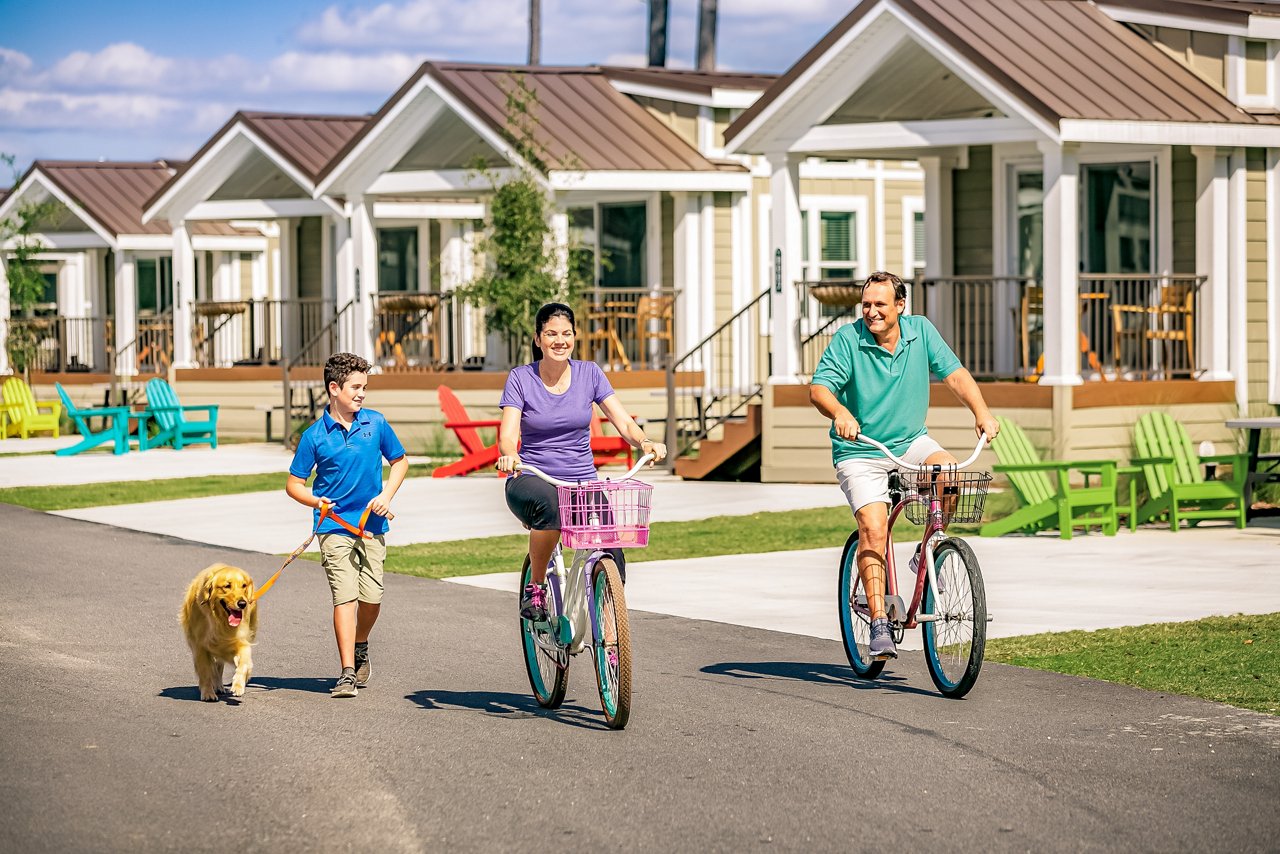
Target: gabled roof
[(1063, 59), (306, 141), (113, 193), (702, 82), (582, 120)]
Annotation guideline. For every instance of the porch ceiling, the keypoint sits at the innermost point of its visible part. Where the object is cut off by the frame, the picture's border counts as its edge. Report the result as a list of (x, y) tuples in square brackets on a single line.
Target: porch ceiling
[(911, 84), (258, 178), (451, 143)]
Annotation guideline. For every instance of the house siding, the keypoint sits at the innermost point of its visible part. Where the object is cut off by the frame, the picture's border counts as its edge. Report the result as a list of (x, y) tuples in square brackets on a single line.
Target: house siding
[(681, 118), (1203, 53), (668, 207), (971, 224), (1184, 210), (1258, 370), (723, 257)]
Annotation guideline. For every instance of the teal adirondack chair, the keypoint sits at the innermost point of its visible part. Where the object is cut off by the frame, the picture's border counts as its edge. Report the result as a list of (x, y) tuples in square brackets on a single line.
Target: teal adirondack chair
[(26, 414), (1046, 497), (169, 413), (115, 425), (1175, 482)]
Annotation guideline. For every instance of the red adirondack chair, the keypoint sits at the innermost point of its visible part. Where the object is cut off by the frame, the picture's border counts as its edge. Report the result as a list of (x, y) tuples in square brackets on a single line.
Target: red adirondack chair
[(607, 449), (476, 455)]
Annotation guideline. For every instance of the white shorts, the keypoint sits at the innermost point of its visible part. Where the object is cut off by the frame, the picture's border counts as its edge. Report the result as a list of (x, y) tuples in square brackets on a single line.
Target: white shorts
[(866, 479)]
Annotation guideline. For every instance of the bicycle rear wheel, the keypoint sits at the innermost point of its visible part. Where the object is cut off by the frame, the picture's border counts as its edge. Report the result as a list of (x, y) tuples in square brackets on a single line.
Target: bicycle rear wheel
[(954, 642), (545, 660), (613, 642), (855, 618)]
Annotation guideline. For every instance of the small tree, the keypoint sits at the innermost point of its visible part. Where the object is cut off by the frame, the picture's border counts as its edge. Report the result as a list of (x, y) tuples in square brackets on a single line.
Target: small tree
[(524, 266), (26, 285)]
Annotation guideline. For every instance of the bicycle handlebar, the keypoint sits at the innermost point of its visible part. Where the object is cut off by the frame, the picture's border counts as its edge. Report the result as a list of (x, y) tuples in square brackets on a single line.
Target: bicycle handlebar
[(982, 441), (522, 466)]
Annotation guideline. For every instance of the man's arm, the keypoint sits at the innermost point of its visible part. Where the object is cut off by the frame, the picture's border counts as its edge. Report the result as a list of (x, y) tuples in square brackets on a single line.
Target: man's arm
[(962, 385), (825, 402)]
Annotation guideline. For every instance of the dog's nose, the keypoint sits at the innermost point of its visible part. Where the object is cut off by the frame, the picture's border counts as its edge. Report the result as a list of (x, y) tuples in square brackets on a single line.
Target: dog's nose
[(241, 604)]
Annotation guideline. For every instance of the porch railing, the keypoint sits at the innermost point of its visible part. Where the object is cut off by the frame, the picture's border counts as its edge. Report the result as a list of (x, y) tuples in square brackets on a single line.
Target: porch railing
[(628, 328), (255, 332), (1140, 327), (719, 376), (58, 344)]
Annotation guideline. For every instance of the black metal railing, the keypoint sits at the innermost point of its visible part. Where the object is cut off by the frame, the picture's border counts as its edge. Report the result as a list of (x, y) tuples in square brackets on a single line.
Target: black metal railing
[(1139, 327), (719, 376), (58, 344), (232, 333), (628, 328)]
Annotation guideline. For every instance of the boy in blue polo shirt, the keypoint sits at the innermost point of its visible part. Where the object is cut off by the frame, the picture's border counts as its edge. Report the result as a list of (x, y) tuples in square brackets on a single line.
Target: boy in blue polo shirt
[(346, 446)]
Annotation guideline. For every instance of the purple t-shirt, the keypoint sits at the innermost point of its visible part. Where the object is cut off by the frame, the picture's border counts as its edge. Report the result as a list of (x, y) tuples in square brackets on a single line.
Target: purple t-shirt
[(555, 429)]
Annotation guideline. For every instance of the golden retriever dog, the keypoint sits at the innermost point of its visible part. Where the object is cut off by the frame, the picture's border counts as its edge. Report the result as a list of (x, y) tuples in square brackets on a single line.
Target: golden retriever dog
[(220, 620)]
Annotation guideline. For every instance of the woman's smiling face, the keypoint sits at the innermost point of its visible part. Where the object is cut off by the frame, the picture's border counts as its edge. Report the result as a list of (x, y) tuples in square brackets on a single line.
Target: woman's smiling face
[(556, 339)]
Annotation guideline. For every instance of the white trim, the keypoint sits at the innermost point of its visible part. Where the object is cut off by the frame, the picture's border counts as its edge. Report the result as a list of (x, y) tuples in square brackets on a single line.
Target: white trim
[(707, 257), (911, 205), (146, 242), (68, 240), (732, 99), (856, 169), (651, 181), (1212, 253), (228, 242), (1238, 275), (46, 183), (434, 181), (1171, 133), (257, 209), (1273, 275), (1166, 19), (932, 133), (814, 206), (428, 210)]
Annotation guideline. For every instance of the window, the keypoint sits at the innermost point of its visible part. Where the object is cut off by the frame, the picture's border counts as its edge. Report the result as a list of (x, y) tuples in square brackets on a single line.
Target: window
[(1116, 227), (155, 284), (397, 259), (614, 253), (834, 245), (917, 245), (582, 244)]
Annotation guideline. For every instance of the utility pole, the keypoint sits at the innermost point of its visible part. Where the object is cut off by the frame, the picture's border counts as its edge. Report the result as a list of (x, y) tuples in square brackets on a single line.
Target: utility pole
[(706, 35), (659, 16), (535, 32)]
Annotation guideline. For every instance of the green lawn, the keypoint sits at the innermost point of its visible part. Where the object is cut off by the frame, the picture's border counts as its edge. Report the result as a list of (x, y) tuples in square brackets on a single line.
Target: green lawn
[(74, 496), (1233, 660)]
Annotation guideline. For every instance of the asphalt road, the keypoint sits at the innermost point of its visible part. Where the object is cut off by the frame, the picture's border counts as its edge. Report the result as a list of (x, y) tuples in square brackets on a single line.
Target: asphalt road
[(740, 738)]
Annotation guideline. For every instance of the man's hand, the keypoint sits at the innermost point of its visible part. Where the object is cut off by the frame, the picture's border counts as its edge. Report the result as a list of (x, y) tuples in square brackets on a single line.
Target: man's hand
[(987, 424), (847, 426), (508, 464)]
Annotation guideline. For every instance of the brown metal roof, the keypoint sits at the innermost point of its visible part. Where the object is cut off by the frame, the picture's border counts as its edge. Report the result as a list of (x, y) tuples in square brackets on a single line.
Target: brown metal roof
[(1064, 59), (113, 194), (702, 82), (582, 121)]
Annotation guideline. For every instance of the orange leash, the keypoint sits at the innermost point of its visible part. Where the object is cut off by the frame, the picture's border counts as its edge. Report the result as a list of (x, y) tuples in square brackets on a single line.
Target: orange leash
[(326, 510)]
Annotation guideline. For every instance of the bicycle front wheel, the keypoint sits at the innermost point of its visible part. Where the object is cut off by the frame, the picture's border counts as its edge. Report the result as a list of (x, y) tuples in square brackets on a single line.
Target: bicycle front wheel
[(545, 660), (955, 639), (855, 615), (613, 642)]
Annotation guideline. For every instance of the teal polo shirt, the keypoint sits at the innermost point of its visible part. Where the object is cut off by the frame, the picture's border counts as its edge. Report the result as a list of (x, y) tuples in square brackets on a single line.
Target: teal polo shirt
[(887, 392), (348, 465)]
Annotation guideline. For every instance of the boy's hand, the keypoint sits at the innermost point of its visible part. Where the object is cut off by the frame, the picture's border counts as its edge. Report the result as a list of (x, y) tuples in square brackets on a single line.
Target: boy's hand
[(380, 504), (321, 501)]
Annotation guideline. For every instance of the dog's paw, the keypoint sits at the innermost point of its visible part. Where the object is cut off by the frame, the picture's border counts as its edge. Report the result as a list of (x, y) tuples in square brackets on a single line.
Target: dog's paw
[(224, 689), (237, 689), (209, 697)]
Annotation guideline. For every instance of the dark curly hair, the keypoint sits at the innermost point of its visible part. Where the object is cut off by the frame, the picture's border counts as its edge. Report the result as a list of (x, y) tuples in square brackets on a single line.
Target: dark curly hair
[(339, 366), (548, 311)]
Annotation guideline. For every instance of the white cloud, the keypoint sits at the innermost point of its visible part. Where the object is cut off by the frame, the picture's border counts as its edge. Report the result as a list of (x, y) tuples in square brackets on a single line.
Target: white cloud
[(13, 64), (435, 25), (29, 110), (128, 66), (336, 71)]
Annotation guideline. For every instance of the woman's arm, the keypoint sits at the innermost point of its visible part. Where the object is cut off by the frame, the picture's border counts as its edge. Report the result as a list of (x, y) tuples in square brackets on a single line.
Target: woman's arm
[(631, 431), (509, 439)]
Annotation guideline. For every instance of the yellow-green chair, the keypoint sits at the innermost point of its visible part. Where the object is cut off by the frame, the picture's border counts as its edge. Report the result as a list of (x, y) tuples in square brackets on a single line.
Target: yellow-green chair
[(26, 414)]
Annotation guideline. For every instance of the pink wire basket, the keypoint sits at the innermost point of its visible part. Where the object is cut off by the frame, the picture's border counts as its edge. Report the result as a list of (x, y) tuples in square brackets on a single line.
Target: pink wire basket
[(605, 514)]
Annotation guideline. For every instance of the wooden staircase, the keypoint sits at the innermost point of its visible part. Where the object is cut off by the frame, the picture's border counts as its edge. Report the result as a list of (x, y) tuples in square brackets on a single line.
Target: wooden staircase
[(734, 456)]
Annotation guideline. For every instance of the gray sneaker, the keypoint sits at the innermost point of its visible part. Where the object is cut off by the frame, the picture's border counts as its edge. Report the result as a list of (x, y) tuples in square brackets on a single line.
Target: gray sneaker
[(882, 645), (362, 665), (346, 684)]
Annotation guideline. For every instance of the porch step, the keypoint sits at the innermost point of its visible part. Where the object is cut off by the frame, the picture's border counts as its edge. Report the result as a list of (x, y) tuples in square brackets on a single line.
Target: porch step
[(735, 456)]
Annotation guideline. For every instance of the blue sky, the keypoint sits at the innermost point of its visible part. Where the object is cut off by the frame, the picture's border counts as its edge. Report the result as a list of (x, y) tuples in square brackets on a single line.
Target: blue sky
[(140, 80)]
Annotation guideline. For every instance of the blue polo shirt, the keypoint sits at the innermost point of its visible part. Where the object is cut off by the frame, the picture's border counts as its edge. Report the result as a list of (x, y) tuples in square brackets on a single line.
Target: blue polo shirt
[(348, 465), (887, 392)]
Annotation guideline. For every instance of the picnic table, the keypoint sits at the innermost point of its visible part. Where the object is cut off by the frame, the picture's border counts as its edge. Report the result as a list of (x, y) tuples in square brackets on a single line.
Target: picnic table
[(1263, 468)]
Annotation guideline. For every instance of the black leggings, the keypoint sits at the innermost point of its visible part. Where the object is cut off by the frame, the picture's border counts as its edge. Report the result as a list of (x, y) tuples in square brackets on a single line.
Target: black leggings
[(535, 503)]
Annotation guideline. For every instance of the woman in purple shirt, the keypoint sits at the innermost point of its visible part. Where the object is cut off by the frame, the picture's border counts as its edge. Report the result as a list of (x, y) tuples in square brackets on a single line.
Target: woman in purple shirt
[(546, 413)]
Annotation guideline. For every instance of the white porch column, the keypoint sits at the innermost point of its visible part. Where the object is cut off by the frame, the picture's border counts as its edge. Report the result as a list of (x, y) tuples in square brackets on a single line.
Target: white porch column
[(785, 255), (1061, 265), (184, 294), (126, 310), (560, 240), (688, 268), (1212, 261), (344, 269), (4, 316), (938, 240), (653, 240), (1238, 276), (364, 240)]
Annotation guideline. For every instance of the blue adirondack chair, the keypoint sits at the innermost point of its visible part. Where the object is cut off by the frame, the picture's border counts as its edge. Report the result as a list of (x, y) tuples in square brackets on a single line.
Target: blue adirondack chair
[(115, 425), (169, 413)]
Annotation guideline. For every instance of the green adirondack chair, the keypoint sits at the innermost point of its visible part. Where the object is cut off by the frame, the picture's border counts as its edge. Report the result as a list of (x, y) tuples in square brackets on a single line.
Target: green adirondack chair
[(169, 413), (1175, 482), (26, 414), (1046, 497), (115, 426)]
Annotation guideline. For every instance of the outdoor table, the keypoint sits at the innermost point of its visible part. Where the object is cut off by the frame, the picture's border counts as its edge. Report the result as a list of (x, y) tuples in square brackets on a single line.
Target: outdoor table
[(1263, 468)]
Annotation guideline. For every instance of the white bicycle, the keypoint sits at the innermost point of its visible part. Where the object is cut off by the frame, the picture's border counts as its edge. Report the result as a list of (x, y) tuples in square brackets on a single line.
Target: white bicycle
[(587, 608)]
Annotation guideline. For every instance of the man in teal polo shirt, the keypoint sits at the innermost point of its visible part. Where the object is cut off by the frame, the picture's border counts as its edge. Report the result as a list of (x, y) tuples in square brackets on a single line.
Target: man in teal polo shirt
[(873, 378)]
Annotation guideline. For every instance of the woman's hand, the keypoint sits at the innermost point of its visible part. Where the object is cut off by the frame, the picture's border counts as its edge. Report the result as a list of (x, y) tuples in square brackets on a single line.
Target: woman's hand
[(659, 450), (508, 464)]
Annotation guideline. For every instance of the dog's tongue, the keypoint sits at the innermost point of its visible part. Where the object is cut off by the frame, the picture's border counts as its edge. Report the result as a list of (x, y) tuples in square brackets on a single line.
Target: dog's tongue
[(234, 618)]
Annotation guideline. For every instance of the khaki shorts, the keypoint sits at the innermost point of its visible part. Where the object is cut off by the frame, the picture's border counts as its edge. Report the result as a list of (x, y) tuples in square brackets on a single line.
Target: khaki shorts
[(354, 567), (865, 480)]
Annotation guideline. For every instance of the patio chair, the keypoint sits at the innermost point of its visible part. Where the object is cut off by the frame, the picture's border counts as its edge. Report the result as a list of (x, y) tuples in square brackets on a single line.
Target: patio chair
[(476, 455), (26, 414), (115, 426), (607, 449), (1046, 497), (1175, 482), (170, 415)]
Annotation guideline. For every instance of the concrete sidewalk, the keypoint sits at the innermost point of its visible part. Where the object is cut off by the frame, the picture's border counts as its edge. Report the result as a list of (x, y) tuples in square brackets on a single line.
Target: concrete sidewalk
[(46, 469)]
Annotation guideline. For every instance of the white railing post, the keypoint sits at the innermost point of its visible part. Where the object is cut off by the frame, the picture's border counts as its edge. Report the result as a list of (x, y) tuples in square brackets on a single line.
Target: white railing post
[(787, 268), (184, 295), (1061, 267)]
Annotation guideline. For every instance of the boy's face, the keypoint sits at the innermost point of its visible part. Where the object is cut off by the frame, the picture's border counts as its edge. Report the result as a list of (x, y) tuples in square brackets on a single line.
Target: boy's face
[(350, 396)]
